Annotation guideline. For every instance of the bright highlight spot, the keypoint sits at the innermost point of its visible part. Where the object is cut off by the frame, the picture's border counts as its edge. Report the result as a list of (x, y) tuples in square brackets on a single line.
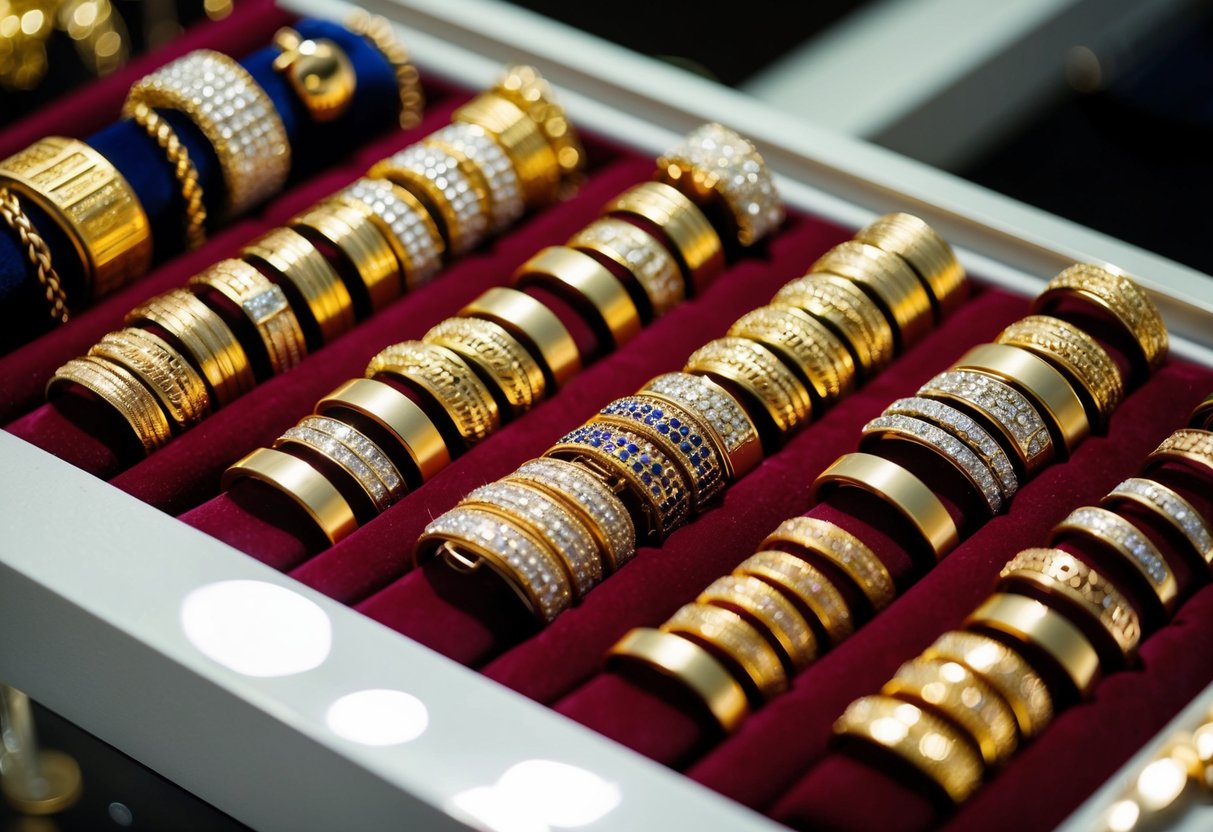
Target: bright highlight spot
[(537, 795), (378, 717)]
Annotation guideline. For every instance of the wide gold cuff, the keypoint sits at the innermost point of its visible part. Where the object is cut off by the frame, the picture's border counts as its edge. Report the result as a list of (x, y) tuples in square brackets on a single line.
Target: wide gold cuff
[(927, 253), (588, 285), (839, 303)]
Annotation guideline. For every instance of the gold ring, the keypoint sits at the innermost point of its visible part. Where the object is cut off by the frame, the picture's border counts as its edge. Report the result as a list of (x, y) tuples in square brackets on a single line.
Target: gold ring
[(355, 237), (378, 31), (641, 256), (484, 344), (162, 133), (173, 380), (1186, 445), (927, 253), (843, 550), (853, 315), (588, 286), (405, 224), (288, 255), (734, 430), (768, 611), (522, 140), (535, 326), (298, 480), (758, 372), (1202, 414), (354, 453), (692, 240), (491, 165), (37, 252), (806, 584), (1173, 509), (806, 345), (731, 639), (117, 387), (526, 88), (888, 281)]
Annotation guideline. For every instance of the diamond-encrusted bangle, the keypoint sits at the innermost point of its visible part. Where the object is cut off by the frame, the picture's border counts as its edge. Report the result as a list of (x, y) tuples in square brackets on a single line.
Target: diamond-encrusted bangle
[(806, 584), (501, 180), (728, 635), (693, 242), (1163, 502), (485, 344), (888, 281), (374, 470), (472, 537), (434, 176), (1186, 445), (307, 487), (172, 379), (766, 608), (720, 410), (1127, 541), (756, 370), (641, 255), (841, 304), (715, 162), (842, 549), (806, 344), (405, 224), (292, 259), (927, 253)]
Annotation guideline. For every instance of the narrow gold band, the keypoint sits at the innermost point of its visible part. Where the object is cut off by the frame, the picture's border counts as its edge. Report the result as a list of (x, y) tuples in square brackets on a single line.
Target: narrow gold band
[(586, 283), (1202, 414), (535, 325), (842, 549), (756, 370), (302, 483), (1173, 509), (352, 233), (162, 369), (888, 280), (927, 253), (730, 636), (117, 387), (483, 343), (841, 304), (805, 344), (294, 260), (694, 243)]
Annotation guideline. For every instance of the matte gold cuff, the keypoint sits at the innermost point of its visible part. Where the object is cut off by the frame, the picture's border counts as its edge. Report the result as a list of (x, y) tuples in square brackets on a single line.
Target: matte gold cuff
[(588, 285), (536, 326), (303, 484)]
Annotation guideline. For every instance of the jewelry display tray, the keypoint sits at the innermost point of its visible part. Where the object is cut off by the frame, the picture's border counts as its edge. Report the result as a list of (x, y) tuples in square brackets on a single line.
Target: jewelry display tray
[(92, 580)]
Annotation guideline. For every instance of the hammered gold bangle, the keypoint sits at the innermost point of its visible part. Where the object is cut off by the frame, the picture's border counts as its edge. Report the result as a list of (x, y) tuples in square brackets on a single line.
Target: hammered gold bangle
[(640, 255), (843, 550), (163, 134), (298, 480), (693, 241), (535, 326), (1171, 508), (728, 635), (807, 585), (849, 310), (352, 233), (769, 611), (806, 345), (163, 370), (756, 370), (889, 281), (514, 371), (927, 253), (1189, 445), (37, 252), (117, 387), (588, 285), (291, 257)]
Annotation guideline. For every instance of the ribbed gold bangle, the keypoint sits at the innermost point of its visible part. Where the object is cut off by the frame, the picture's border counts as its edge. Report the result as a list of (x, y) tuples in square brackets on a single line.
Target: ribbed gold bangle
[(1186, 445), (117, 387), (405, 224), (535, 326), (522, 140), (354, 453), (888, 280), (897, 487), (482, 343), (352, 233), (693, 241), (1171, 508), (1202, 415), (805, 344), (806, 584), (302, 483), (163, 134), (841, 304), (641, 255), (727, 635), (688, 663), (756, 370), (290, 257), (927, 253), (844, 550), (37, 252), (378, 31), (163, 370), (525, 87), (729, 421), (768, 610), (587, 284)]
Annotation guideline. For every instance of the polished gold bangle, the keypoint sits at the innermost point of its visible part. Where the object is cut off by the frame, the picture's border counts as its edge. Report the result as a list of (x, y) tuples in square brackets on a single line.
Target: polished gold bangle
[(289, 256), (522, 140), (769, 611), (888, 281), (264, 303), (235, 115), (927, 253), (756, 370), (163, 370), (729, 421), (688, 663), (714, 164), (1037, 379), (397, 414), (163, 134), (586, 283), (468, 538), (447, 378), (298, 480), (955, 693), (351, 232), (1186, 445), (641, 255), (807, 585), (526, 88), (117, 387), (929, 744), (844, 550), (535, 326), (897, 487), (93, 204), (354, 453), (378, 31), (491, 164), (37, 252), (805, 344), (1127, 303), (842, 305), (1173, 509), (727, 635), (1032, 623), (514, 371), (693, 241), (405, 224), (1202, 414), (1127, 541), (1002, 669), (1093, 373)]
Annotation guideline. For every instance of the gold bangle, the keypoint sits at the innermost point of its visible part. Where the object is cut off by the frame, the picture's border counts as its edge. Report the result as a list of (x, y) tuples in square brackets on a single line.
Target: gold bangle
[(1186, 445), (843, 550), (535, 326), (927, 253), (1002, 669), (897, 487), (1173, 509), (378, 31), (692, 240), (514, 371), (397, 414), (405, 224), (527, 89), (37, 252), (687, 662), (805, 344), (729, 637), (1087, 365), (1001, 409), (354, 453), (755, 369), (1202, 414), (351, 232), (929, 744), (714, 164), (1127, 303), (888, 281), (729, 421), (641, 255), (163, 134), (298, 480), (117, 387), (264, 304), (1127, 541), (955, 693), (163, 370), (842, 305), (289, 256), (93, 204), (1034, 624), (447, 378), (807, 585), (472, 143), (1061, 574), (206, 339), (587, 284), (770, 612), (468, 538), (234, 114), (522, 140)]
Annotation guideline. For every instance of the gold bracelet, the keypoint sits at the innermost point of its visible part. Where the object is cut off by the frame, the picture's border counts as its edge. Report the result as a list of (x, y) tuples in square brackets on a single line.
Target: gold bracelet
[(491, 166), (806, 345), (843, 550), (897, 487), (756, 370), (514, 371), (163, 134), (289, 256), (306, 486), (1173, 509), (352, 233), (378, 31), (693, 241), (806, 584), (1186, 445), (888, 281), (405, 224), (163, 370), (729, 422), (535, 326), (640, 255), (527, 89), (770, 612), (1202, 414), (117, 387), (93, 204), (37, 252), (522, 140), (841, 304), (927, 253), (354, 453), (726, 635), (587, 284)]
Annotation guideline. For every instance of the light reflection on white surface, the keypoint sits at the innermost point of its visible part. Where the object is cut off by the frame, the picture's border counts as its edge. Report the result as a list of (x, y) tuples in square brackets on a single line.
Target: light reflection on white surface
[(378, 717), (536, 796), (257, 628)]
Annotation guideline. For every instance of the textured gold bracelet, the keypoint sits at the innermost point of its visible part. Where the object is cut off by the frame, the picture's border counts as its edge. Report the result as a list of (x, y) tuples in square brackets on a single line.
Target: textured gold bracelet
[(927, 253), (844, 550), (163, 370), (1173, 509), (888, 280), (767, 609), (117, 387), (852, 313), (38, 253), (694, 243), (163, 134), (514, 371), (288, 255), (805, 344), (807, 585), (759, 372), (641, 255), (378, 31), (1186, 445), (728, 635)]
